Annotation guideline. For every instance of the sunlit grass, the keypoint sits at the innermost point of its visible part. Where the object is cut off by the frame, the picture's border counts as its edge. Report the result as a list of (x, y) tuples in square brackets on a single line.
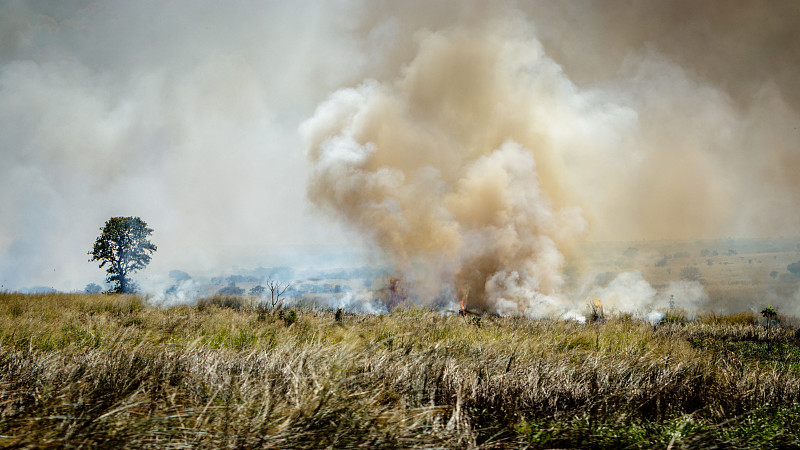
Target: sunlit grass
[(113, 371)]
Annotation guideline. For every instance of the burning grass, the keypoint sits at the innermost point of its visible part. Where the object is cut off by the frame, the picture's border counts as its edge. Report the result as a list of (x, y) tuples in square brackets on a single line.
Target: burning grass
[(94, 370)]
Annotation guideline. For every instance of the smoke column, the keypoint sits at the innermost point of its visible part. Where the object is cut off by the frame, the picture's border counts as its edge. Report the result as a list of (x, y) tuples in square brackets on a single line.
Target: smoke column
[(442, 168), (480, 166)]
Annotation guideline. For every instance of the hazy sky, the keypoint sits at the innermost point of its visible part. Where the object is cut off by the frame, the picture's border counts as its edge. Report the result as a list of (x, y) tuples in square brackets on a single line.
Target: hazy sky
[(650, 119)]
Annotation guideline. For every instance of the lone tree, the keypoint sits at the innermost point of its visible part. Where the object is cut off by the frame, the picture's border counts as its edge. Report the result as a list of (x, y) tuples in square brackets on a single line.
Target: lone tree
[(125, 248)]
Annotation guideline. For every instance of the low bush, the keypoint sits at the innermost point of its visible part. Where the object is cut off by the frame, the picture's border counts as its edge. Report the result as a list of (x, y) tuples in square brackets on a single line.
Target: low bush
[(236, 302)]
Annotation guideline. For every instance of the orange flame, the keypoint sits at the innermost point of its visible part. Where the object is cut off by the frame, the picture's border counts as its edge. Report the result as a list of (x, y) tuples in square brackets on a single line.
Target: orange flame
[(463, 302), (599, 305)]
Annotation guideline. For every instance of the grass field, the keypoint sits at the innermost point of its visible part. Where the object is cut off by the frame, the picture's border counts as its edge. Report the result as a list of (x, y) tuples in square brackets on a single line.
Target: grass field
[(109, 371)]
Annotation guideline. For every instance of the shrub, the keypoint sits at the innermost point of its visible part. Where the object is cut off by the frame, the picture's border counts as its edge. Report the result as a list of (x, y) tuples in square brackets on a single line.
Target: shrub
[(339, 315), (231, 289), (222, 301), (289, 318)]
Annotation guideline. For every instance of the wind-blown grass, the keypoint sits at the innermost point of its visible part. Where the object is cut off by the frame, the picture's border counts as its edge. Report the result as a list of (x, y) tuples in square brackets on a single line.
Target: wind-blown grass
[(107, 371)]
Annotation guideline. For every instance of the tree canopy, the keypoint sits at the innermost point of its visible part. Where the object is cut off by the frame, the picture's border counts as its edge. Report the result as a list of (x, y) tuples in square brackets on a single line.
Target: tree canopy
[(123, 246)]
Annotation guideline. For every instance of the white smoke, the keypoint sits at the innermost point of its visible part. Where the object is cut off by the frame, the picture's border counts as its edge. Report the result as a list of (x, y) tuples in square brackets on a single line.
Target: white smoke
[(184, 292), (654, 317), (689, 295), (628, 292), (363, 303), (182, 114)]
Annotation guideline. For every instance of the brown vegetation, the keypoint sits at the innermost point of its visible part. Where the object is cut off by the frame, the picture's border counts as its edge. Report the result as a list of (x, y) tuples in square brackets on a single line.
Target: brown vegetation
[(108, 371)]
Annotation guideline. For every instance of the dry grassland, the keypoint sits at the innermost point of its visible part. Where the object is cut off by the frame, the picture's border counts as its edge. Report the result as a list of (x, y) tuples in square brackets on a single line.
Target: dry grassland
[(110, 371)]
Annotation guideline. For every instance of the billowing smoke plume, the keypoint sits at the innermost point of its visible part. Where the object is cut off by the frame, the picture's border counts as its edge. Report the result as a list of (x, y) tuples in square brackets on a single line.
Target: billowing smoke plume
[(441, 167), (480, 166)]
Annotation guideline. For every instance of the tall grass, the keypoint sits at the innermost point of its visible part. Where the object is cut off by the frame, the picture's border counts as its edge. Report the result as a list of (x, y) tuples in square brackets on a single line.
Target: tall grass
[(108, 371)]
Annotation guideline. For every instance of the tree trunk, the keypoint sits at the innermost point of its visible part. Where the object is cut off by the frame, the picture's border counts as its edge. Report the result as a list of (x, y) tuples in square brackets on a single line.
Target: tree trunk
[(123, 282)]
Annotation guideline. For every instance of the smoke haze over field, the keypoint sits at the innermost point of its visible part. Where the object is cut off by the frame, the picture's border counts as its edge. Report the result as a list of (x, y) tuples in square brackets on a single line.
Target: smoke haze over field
[(475, 143), (184, 114)]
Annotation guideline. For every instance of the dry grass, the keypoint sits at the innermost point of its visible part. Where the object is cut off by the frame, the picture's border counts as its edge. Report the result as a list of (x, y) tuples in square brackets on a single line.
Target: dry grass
[(744, 318), (109, 371)]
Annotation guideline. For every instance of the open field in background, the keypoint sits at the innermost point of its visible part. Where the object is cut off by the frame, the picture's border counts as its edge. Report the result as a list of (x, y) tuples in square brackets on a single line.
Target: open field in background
[(107, 371), (738, 274)]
